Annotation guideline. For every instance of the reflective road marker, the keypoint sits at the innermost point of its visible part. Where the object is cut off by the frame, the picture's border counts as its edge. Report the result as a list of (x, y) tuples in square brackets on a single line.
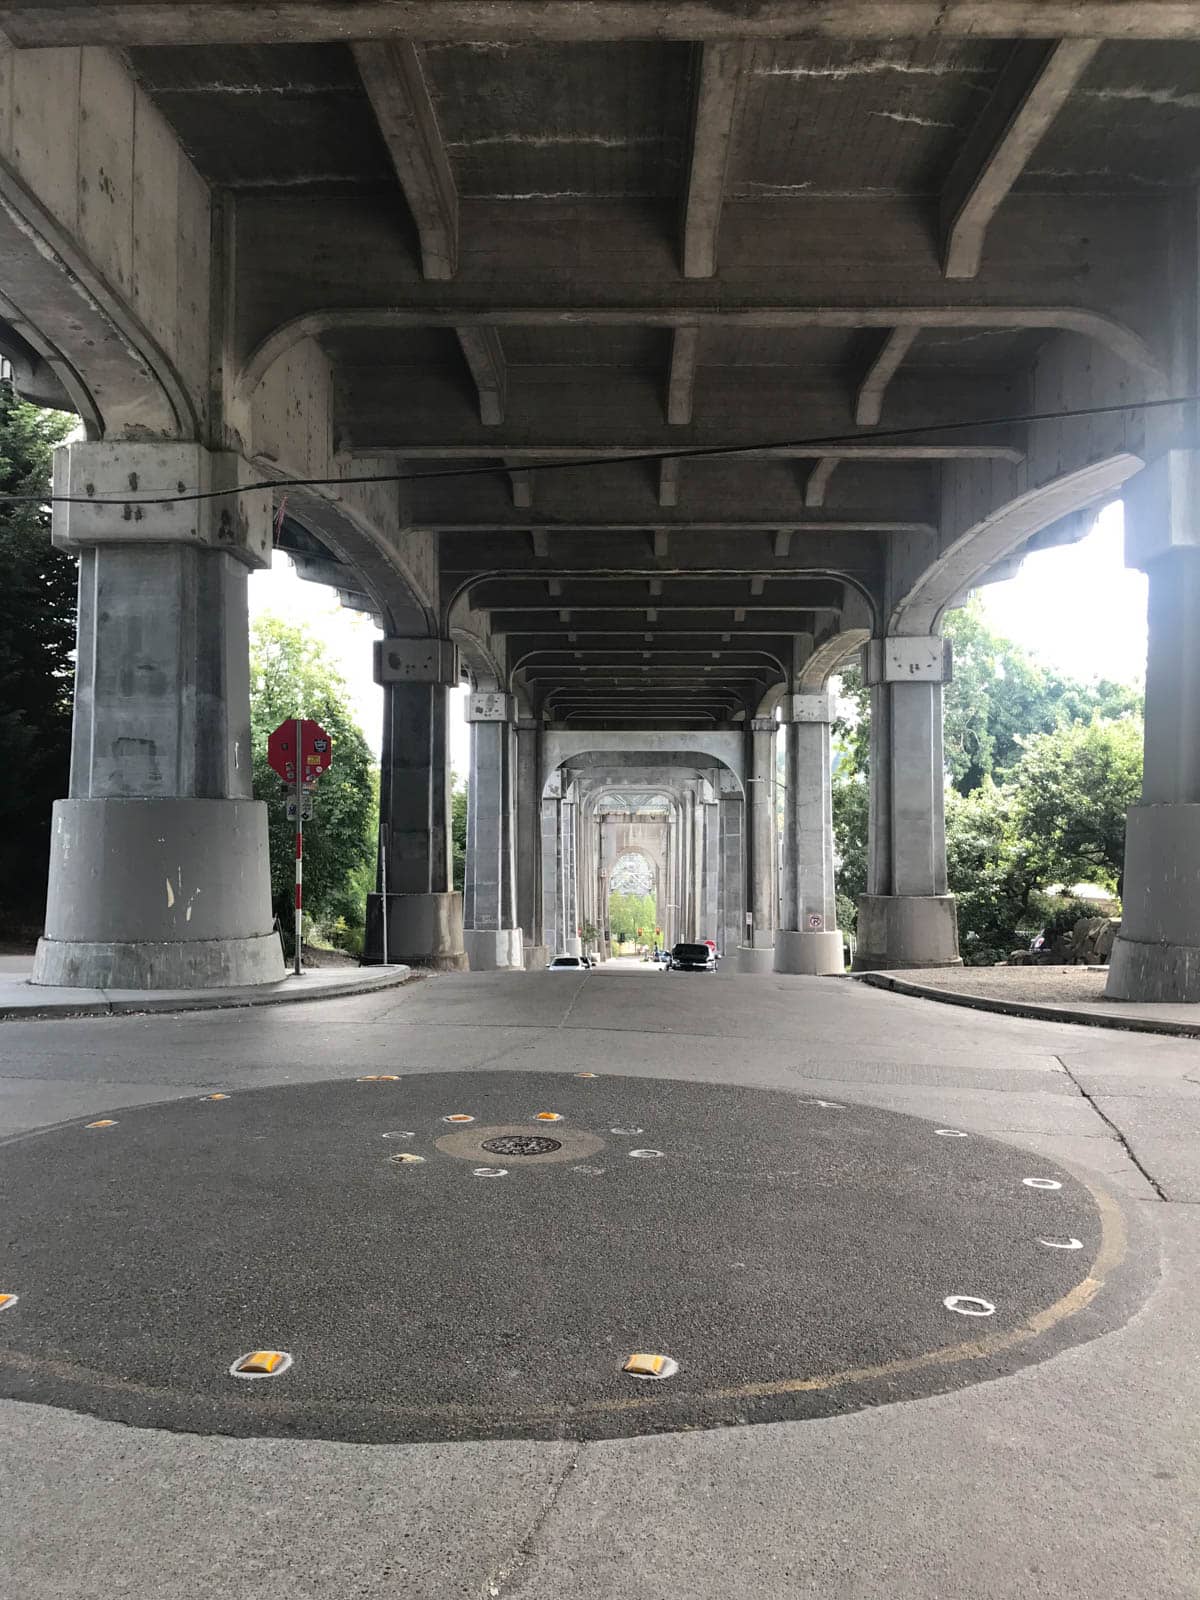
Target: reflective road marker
[(644, 1364), (104, 1122), (261, 1364), (8, 1300)]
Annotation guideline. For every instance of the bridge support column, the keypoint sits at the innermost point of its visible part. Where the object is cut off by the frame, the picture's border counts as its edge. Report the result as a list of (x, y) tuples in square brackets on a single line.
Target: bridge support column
[(569, 859), (907, 918), (808, 940), (757, 953), (1156, 957), (529, 844), (733, 891), (424, 914), (159, 871), (490, 935)]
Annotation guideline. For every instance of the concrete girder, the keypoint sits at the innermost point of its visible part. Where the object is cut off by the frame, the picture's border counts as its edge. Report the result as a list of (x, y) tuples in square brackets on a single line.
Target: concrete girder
[(278, 307), (720, 69), (394, 79), (157, 22), (1032, 90), (681, 378), (869, 405), (485, 356)]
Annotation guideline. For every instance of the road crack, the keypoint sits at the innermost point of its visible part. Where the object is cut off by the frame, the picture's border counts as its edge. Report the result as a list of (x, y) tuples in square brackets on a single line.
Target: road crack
[(500, 1580), (1118, 1132)]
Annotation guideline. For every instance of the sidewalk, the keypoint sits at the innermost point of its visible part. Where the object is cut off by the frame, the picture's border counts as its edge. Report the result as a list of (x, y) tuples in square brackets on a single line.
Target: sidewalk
[(1051, 994), (19, 998)]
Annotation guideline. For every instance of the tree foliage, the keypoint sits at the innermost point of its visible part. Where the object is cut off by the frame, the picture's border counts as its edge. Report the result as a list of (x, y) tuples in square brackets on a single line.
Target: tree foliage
[(458, 832), (1001, 696), (1073, 789), (629, 912), (292, 675), (38, 592)]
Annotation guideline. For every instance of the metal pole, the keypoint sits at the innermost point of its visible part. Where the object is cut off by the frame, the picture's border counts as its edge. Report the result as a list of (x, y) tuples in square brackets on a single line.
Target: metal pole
[(299, 845), (383, 905)]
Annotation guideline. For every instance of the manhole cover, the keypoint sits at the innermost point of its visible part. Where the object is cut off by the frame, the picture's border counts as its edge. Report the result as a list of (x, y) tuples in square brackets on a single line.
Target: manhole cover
[(521, 1144)]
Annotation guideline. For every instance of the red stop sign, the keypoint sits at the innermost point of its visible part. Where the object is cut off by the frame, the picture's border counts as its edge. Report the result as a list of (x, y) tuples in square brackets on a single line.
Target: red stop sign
[(316, 750)]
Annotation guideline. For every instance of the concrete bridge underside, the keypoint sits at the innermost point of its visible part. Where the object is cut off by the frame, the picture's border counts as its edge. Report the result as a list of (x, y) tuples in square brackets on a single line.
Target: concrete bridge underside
[(645, 363)]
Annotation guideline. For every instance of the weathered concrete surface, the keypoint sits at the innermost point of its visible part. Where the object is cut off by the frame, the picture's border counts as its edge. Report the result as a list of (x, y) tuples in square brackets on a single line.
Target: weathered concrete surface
[(21, 1000), (1076, 1476)]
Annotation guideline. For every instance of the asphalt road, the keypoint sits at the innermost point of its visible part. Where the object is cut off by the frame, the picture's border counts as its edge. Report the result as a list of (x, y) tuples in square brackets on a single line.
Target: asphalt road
[(487, 1318)]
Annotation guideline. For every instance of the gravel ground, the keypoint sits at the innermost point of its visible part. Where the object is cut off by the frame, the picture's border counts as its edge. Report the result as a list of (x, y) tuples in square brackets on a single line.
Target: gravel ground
[(1048, 986)]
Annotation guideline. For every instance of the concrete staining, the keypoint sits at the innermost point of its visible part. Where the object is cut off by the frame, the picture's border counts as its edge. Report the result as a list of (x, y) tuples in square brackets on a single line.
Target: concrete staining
[(356, 242), (797, 1256)]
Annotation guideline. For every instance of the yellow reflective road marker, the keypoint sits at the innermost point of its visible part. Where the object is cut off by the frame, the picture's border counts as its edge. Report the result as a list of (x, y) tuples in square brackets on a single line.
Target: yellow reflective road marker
[(381, 1077), (7, 1300), (643, 1364), (458, 1116), (585, 1074), (214, 1097), (549, 1116), (261, 1364), (406, 1159), (104, 1122)]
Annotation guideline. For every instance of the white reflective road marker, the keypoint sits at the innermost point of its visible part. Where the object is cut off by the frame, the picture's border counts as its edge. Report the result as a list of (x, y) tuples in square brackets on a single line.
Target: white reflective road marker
[(950, 1133), (1041, 1183), (490, 1172), (969, 1305), (627, 1130), (1062, 1244), (648, 1154)]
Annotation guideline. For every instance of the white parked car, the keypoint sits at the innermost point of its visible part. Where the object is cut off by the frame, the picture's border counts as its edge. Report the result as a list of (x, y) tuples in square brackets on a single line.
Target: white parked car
[(568, 964)]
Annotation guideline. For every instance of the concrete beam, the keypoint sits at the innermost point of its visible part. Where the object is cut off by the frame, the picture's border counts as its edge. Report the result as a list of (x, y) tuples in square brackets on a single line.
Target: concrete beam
[(1029, 95), (681, 382), (394, 79), (485, 357), (123, 23), (720, 70), (569, 453), (668, 482), (521, 481), (278, 337), (896, 345)]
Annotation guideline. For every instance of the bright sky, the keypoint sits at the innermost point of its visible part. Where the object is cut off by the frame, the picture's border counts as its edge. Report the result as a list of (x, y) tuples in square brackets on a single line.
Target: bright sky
[(349, 637), (1078, 609)]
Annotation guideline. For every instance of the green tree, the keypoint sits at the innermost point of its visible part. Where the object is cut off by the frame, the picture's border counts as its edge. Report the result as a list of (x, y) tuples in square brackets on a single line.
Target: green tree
[(458, 831), (38, 590), (1072, 791), (291, 675), (990, 873), (629, 912), (1000, 696)]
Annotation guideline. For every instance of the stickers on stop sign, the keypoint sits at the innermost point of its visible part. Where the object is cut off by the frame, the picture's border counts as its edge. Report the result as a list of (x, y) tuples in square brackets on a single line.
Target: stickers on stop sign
[(316, 750)]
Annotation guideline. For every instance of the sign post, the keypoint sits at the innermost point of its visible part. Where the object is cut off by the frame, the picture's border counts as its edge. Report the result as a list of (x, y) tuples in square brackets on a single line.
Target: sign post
[(299, 751)]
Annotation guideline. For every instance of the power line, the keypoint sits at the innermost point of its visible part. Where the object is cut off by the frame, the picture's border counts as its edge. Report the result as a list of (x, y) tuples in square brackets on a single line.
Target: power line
[(829, 442)]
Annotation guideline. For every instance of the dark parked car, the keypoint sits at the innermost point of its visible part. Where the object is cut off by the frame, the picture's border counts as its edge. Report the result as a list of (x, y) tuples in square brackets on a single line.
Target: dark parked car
[(692, 958)]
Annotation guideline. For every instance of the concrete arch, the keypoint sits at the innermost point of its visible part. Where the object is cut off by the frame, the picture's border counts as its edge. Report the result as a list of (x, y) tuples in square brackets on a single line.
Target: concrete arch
[(353, 539), (1106, 331), (857, 626), (997, 535), (722, 748), (114, 372)]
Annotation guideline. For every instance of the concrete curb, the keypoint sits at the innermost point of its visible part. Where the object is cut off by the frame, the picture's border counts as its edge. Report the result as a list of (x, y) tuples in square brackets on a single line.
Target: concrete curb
[(125, 1003), (1029, 1008)]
